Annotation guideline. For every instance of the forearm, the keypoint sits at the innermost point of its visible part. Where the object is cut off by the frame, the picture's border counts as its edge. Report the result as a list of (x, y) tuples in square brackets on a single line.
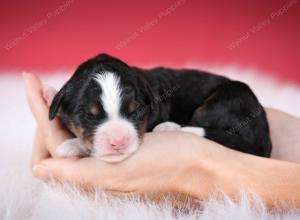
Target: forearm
[(275, 181), (232, 172), (285, 135)]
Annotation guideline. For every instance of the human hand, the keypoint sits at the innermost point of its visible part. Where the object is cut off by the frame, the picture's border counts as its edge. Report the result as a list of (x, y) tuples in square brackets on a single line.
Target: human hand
[(165, 163), (285, 135), (49, 134), (161, 161)]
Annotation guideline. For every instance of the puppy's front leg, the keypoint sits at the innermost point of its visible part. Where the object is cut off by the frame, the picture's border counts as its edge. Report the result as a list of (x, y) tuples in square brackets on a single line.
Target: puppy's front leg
[(167, 126), (172, 126), (71, 148), (194, 130)]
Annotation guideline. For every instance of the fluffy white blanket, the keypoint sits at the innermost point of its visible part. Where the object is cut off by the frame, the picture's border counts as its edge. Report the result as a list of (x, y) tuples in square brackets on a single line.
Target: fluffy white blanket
[(23, 197)]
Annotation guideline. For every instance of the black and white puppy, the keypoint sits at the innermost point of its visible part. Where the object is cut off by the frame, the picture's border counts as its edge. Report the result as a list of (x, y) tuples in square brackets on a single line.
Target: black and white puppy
[(109, 105)]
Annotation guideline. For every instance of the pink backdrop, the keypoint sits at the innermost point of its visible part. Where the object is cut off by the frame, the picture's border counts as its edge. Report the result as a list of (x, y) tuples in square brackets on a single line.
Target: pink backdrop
[(48, 35)]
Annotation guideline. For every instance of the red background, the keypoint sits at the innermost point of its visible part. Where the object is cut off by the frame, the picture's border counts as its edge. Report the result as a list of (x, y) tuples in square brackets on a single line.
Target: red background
[(198, 31)]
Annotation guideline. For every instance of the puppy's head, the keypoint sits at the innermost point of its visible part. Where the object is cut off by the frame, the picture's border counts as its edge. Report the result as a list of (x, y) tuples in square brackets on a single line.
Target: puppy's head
[(106, 104)]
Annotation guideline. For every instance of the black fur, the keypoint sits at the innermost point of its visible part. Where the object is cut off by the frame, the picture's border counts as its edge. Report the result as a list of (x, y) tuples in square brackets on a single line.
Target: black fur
[(228, 110)]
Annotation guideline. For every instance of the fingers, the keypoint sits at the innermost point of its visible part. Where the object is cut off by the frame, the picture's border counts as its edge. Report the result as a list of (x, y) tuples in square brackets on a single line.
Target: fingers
[(59, 169), (39, 151), (38, 107), (80, 172), (48, 93), (39, 98), (57, 132), (86, 172)]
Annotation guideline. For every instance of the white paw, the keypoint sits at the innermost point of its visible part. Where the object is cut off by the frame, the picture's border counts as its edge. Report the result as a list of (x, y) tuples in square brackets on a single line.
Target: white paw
[(71, 148), (167, 126), (194, 130)]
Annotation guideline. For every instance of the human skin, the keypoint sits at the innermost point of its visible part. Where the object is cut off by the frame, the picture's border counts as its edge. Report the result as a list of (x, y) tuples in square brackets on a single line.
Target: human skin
[(172, 162)]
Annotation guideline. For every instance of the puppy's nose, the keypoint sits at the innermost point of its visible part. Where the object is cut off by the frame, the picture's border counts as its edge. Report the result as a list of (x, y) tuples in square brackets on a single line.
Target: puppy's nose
[(118, 141)]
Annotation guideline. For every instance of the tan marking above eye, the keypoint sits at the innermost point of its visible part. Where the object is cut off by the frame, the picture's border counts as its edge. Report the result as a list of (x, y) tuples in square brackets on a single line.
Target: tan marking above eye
[(133, 105), (94, 109)]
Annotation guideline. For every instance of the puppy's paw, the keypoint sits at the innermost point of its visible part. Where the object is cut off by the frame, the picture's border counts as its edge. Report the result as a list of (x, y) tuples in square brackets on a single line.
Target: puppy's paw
[(71, 148), (167, 126), (194, 130)]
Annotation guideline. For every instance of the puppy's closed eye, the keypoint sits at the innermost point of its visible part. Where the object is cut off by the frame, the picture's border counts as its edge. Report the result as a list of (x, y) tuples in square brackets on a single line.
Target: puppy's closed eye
[(133, 106)]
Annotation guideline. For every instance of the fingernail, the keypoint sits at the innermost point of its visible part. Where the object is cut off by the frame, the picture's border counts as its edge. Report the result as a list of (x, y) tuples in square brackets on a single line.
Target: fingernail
[(25, 74), (42, 172)]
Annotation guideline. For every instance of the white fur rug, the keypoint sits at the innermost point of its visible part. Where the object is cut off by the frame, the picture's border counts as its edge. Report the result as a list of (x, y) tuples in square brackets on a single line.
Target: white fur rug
[(23, 197)]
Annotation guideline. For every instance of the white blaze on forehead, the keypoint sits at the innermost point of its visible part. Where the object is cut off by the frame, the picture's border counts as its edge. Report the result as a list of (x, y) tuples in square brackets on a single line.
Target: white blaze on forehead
[(111, 93), (115, 127)]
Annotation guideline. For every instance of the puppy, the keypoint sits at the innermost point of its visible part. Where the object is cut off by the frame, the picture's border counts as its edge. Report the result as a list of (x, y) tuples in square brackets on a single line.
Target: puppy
[(109, 106)]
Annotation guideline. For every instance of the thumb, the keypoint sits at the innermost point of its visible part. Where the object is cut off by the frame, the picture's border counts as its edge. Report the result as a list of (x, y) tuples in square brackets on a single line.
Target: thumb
[(85, 172), (62, 170)]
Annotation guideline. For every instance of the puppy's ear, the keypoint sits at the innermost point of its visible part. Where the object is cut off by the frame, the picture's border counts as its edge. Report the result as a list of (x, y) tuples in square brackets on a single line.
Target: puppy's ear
[(55, 105)]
